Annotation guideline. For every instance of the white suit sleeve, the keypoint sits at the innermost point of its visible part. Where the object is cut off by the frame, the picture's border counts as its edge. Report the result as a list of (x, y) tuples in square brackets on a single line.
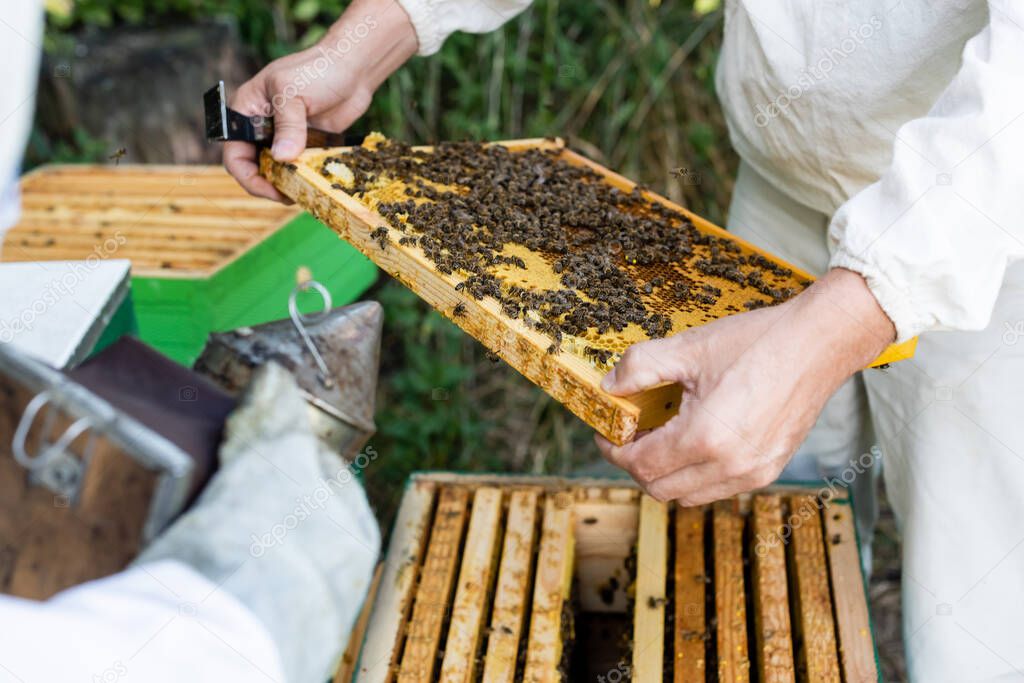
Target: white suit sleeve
[(161, 622), (435, 20), (934, 236), (21, 38)]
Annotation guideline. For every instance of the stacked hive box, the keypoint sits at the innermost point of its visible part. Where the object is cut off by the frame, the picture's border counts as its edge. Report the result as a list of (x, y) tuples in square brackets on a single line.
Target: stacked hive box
[(547, 579), (205, 255)]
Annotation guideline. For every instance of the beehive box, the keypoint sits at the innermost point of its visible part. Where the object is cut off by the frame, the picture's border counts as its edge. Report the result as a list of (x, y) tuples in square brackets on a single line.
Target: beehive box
[(205, 255), (541, 579), (382, 201)]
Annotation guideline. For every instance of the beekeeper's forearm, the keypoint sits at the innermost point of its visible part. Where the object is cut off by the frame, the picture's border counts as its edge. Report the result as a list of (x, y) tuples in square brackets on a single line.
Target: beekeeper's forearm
[(374, 37), (935, 235)]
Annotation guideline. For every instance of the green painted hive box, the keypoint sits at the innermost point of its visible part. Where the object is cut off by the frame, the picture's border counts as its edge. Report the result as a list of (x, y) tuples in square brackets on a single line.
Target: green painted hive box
[(205, 255)]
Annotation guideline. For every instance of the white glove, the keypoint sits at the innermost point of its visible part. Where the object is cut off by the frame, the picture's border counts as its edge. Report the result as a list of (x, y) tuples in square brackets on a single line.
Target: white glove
[(284, 527)]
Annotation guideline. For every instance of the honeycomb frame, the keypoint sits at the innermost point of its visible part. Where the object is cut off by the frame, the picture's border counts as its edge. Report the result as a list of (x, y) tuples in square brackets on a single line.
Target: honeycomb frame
[(570, 375)]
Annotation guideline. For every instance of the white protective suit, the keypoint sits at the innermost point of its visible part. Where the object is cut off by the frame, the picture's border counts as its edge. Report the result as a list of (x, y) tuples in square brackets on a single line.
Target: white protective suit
[(21, 37), (887, 137), (875, 136)]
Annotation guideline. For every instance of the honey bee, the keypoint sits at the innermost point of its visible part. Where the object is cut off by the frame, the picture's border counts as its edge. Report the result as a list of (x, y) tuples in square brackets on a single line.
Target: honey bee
[(381, 236)]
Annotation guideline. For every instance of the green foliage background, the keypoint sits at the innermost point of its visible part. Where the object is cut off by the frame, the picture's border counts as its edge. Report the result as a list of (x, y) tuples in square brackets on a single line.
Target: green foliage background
[(274, 28), (630, 82), (627, 82)]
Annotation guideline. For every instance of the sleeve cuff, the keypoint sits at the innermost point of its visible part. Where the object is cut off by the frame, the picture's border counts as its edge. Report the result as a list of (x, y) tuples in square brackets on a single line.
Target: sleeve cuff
[(428, 33), (893, 300)]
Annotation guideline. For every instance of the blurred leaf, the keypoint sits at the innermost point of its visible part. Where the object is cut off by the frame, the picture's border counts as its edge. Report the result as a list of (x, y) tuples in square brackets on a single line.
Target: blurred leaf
[(312, 34), (306, 10), (702, 136), (60, 10), (133, 14), (97, 16), (702, 7)]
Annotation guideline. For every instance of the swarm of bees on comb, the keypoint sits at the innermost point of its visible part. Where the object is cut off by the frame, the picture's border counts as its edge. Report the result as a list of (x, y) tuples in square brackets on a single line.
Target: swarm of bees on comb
[(614, 259)]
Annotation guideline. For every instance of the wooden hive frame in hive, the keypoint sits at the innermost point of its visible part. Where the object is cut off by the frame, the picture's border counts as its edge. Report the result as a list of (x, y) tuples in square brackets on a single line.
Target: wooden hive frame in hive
[(204, 254), (508, 578), (568, 375)]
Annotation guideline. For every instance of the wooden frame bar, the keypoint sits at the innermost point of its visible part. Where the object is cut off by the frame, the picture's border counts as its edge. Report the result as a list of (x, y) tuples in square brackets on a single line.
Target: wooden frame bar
[(569, 378), (350, 656), (690, 651), (472, 594), (545, 646), (379, 656), (815, 629), (853, 623), (771, 597), (419, 658), (511, 594), (730, 596), (651, 571)]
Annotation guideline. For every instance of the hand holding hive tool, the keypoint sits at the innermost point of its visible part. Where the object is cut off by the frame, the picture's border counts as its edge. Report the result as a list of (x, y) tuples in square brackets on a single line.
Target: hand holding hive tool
[(244, 134), (224, 124), (325, 87)]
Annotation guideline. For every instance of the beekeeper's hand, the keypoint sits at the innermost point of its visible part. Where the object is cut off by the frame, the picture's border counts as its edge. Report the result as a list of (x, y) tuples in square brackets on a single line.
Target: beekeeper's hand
[(327, 86), (753, 386), (283, 527)]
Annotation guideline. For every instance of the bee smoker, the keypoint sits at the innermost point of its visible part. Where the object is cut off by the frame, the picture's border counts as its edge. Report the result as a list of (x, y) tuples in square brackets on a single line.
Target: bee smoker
[(334, 356)]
